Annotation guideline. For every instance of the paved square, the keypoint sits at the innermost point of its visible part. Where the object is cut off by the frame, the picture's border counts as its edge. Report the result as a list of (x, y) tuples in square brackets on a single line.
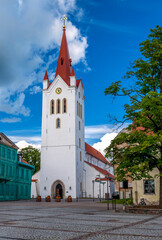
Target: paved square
[(73, 221)]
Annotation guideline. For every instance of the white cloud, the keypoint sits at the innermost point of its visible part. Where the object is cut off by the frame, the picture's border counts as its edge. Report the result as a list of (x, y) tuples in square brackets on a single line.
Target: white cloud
[(35, 90), (97, 131), (29, 30), (24, 144), (34, 140), (10, 120), (104, 142)]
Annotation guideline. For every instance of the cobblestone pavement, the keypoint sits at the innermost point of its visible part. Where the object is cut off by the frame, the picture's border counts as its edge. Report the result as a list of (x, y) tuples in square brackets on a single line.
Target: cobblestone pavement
[(73, 221)]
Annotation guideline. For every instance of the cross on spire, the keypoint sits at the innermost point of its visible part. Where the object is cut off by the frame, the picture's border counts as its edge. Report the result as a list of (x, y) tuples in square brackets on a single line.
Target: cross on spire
[(64, 18)]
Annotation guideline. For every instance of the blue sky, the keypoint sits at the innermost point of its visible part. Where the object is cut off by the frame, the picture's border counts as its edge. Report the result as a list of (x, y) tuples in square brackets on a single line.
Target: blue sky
[(103, 38)]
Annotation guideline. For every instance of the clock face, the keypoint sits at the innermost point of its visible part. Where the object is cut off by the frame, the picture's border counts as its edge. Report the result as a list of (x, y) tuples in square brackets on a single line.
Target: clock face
[(58, 90)]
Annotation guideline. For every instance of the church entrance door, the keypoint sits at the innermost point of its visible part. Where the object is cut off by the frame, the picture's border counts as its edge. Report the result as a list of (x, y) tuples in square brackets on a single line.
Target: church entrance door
[(59, 190)]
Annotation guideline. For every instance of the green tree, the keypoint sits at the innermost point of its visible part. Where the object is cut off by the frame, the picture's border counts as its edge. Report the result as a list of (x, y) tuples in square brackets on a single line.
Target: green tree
[(138, 150), (32, 156)]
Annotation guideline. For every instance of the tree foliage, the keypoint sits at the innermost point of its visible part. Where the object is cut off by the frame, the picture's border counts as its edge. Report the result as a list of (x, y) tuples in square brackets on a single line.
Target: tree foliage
[(32, 156), (138, 149)]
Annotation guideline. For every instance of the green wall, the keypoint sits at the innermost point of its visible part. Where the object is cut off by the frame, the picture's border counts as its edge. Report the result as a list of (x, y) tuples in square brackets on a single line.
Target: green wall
[(15, 176)]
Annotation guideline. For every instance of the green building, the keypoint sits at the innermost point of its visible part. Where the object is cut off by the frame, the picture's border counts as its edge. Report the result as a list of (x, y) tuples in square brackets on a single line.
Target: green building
[(15, 173)]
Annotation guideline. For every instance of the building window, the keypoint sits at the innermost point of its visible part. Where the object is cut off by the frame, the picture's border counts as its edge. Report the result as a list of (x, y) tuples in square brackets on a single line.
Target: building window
[(77, 108), (8, 153), (26, 190), (58, 123), (80, 156), (81, 111), (2, 169), (149, 187), (52, 109), (79, 125), (13, 155), (64, 105), (62, 60), (79, 142), (27, 174), (3, 152), (58, 106)]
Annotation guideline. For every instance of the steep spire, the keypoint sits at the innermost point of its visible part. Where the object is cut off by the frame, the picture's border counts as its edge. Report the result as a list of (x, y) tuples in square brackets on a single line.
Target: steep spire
[(64, 62), (46, 76), (72, 72)]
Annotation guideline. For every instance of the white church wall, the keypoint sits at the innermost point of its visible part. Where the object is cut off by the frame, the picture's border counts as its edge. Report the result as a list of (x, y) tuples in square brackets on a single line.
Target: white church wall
[(35, 186), (91, 174), (60, 152)]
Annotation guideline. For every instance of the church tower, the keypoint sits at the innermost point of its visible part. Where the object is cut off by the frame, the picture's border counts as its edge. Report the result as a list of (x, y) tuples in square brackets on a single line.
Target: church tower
[(63, 145)]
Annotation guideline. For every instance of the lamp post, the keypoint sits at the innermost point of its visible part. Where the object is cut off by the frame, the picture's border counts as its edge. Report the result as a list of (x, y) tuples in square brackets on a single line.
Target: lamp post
[(99, 187), (93, 189), (107, 177), (103, 189)]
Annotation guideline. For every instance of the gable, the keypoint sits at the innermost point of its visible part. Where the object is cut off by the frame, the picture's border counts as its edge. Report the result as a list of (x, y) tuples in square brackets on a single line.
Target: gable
[(6, 141)]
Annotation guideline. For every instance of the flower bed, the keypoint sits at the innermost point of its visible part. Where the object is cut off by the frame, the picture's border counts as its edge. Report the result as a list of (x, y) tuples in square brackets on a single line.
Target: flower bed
[(58, 199), (69, 199), (48, 199), (38, 199)]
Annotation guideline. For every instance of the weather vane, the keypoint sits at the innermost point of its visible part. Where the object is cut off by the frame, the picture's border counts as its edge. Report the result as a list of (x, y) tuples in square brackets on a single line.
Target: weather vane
[(64, 18)]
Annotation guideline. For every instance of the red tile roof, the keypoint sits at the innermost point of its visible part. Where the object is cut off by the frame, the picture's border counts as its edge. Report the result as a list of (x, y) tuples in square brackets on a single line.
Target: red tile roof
[(72, 72), (26, 162), (101, 170), (34, 180), (78, 82), (64, 62), (46, 76), (92, 151)]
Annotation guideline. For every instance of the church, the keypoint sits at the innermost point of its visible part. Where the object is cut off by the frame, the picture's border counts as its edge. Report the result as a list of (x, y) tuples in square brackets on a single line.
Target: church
[(69, 166)]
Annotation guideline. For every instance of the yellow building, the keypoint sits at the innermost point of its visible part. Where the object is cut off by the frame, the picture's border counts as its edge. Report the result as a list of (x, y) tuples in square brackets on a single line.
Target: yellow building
[(148, 189)]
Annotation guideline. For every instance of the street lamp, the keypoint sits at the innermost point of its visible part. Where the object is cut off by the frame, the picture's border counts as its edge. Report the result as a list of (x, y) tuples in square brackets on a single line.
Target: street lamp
[(107, 177), (103, 189), (93, 189), (99, 187)]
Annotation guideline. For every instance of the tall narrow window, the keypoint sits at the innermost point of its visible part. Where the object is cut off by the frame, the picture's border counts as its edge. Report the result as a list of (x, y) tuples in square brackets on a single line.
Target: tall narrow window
[(79, 142), (58, 106), (62, 60), (80, 156), (52, 107), (58, 123), (79, 125), (64, 105), (81, 111), (77, 109)]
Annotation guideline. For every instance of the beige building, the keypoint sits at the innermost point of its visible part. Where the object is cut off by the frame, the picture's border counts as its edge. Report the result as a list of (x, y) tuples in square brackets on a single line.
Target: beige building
[(148, 189)]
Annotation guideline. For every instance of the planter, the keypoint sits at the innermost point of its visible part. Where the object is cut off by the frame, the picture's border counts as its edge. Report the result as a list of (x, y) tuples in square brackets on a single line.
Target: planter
[(48, 200), (38, 199), (58, 199), (69, 199)]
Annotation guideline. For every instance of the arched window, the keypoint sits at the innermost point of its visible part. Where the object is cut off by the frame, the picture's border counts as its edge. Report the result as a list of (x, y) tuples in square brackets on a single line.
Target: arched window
[(81, 111), (77, 109), (52, 109), (64, 105), (80, 156), (58, 123), (58, 106)]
